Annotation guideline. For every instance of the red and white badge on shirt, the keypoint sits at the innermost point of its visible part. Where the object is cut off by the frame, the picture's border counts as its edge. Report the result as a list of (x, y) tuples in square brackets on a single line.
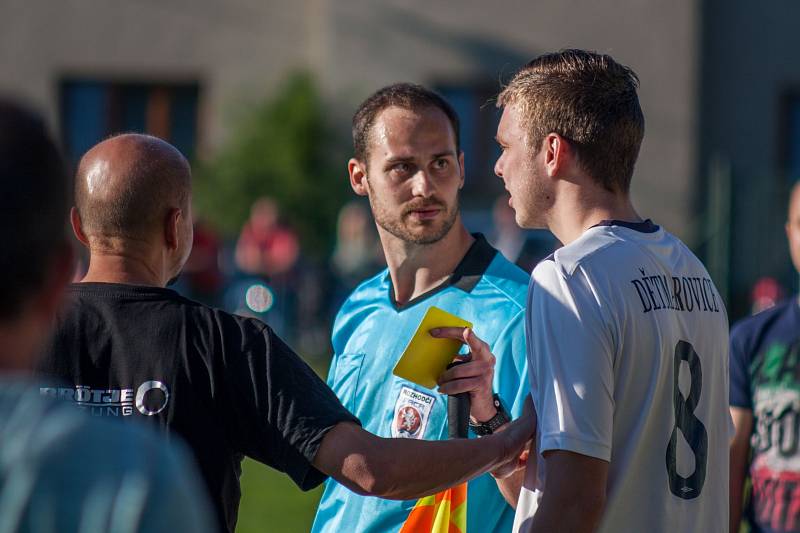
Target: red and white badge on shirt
[(411, 413)]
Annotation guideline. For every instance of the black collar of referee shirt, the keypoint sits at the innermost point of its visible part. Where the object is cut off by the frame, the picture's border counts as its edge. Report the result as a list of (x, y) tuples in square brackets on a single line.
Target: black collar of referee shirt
[(465, 276)]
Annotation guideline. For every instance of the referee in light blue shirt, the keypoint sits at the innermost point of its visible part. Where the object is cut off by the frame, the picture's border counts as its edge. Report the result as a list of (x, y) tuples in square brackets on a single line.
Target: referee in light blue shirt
[(409, 165)]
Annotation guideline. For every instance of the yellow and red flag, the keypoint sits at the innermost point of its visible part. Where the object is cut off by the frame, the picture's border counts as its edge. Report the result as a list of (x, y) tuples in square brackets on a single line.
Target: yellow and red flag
[(444, 512)]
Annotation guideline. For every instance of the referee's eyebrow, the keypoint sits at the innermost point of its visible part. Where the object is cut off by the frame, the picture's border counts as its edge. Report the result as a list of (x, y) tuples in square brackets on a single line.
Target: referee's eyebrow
[(399, 159)]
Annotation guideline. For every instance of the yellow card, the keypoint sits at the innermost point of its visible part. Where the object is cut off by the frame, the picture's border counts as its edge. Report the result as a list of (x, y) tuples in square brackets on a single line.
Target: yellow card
[(426, 357)]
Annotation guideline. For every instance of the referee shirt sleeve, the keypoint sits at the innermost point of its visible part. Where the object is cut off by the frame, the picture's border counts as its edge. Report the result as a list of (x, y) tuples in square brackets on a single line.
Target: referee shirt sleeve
[(571, 357)]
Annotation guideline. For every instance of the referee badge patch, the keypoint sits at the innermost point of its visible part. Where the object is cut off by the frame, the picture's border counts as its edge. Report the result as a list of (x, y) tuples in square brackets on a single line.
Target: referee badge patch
[(411, 413)]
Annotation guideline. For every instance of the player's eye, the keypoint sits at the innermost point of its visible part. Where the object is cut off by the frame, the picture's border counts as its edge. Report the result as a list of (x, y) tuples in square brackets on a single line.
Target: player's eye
[(400, 169), (441, 164)]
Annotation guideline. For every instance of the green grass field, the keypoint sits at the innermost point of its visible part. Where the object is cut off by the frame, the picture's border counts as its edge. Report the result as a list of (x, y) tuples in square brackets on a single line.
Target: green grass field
[(272, 503)]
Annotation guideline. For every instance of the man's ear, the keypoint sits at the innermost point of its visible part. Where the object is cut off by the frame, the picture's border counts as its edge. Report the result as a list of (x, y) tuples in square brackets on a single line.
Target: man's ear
[(358, 176), (77, 226), (557, 153), (172, 227)]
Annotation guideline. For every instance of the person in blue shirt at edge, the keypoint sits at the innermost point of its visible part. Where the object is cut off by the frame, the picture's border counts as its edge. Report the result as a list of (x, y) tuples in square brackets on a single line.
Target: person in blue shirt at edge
[(61, 470), (765, 407), (408, 163)]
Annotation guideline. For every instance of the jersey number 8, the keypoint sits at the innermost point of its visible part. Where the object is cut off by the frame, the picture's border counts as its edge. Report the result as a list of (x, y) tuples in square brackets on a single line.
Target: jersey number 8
[(693, 430)]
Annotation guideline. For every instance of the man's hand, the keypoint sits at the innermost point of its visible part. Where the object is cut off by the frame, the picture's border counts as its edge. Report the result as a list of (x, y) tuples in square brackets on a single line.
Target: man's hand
[(475, 376), (521, 461)]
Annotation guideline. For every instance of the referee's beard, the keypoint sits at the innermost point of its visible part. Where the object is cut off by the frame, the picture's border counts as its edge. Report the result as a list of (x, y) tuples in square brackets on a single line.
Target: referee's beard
[(400, 226)]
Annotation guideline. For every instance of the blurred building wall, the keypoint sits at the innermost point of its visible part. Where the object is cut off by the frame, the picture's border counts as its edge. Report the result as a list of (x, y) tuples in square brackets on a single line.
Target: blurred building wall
[(750, 133), (241, 48), (369, 44), (230, 48)]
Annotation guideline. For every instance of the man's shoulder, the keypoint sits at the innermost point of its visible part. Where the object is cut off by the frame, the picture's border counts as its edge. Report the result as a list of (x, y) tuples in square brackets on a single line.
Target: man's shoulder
[(373, 289), (591, 247), (602, 247), (117, 295), (136, 309), (768, 320), (505, 280), (116, 298)]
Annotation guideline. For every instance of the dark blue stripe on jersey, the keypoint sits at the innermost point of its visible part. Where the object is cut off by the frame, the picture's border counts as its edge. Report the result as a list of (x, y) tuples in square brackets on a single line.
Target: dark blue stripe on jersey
[(646, 226)]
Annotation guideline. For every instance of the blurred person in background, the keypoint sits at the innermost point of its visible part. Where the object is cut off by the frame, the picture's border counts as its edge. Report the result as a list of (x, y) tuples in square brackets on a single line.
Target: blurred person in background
[(522, 247), (270, 250), (130, 348), (765, 405), (408, 163), (60, 470), (358, 252), (766, 293), (202, 278), (266, 247), (509, 239)]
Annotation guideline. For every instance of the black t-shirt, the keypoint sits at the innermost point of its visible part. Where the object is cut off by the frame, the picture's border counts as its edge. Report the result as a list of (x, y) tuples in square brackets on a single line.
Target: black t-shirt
[(226, 384)]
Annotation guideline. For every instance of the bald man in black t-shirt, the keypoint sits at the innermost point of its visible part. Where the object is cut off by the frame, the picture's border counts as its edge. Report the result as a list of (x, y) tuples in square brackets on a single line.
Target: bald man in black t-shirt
[(131, 348)]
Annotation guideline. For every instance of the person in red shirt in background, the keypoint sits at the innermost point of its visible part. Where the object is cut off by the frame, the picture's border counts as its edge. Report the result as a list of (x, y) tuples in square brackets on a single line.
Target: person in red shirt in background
[(270, 251), (266, 248)]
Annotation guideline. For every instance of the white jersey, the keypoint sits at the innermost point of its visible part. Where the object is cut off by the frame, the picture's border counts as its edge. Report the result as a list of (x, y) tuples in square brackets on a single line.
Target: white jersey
[(628, 359)]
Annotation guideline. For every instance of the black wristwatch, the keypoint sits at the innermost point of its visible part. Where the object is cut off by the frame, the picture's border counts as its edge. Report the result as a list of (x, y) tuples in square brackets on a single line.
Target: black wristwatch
[(490, 426)]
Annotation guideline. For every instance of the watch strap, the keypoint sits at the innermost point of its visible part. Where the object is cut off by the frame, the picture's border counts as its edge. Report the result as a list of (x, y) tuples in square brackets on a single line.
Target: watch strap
[(490, 426)]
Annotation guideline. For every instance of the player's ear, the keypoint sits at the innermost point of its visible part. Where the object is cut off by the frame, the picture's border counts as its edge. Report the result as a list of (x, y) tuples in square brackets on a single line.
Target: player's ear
[(358, 176), (556, 152)]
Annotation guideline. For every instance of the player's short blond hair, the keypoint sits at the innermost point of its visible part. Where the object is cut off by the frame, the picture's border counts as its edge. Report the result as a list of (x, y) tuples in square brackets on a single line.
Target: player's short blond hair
[(590, 100)]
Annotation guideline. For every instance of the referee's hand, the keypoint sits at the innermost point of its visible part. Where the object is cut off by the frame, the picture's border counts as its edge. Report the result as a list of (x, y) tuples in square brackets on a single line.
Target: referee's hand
[(475, 376)]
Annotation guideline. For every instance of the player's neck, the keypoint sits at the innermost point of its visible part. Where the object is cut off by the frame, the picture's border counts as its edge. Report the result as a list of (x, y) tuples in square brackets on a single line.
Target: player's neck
[(576, 211), (417, 268), (125, 268)]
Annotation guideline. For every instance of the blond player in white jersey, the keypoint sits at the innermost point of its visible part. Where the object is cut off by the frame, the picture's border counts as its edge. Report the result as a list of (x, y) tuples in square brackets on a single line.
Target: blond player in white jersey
[(627, 335)]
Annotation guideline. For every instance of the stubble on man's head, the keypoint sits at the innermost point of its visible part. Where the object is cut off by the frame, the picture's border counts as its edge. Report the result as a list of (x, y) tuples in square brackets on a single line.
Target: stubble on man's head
[(125, 186)]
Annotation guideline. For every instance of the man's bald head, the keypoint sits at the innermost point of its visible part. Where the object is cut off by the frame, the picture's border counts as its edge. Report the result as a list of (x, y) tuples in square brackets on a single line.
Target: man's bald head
[(127, 185)]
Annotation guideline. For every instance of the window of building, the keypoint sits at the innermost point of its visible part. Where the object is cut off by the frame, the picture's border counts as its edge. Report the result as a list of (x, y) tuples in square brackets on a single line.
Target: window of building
[(91, 110), (479, 118)]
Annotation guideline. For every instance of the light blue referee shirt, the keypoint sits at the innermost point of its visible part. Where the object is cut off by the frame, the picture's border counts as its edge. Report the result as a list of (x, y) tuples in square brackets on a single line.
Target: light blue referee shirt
[(369, 335)]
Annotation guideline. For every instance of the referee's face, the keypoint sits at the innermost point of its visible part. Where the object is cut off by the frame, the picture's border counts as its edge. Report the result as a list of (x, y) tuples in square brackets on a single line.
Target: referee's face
[(413, 174)]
